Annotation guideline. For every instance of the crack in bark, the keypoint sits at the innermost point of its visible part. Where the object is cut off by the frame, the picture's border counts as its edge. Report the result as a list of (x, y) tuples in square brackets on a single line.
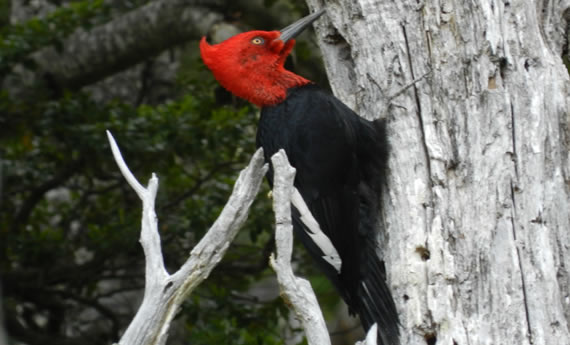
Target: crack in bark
[(523, 282), (428, 41), (513, 223), (514, 138), (419, 109), (466, 332), (465, 84), (430, 317)]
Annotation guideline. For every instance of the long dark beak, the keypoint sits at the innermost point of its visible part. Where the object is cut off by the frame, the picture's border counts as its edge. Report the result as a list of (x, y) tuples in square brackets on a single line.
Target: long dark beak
[(297, 27)]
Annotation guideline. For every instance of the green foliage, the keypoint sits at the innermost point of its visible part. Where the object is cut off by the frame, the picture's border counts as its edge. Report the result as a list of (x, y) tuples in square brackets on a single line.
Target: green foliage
[(5, 6), (236, 319), (18, 41)]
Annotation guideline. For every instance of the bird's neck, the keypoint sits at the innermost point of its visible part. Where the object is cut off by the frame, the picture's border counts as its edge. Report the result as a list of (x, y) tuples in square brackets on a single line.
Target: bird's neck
[(262, 88)]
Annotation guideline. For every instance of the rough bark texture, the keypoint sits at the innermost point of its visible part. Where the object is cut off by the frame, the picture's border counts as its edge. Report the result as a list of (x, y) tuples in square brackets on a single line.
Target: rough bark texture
[(477, 244)]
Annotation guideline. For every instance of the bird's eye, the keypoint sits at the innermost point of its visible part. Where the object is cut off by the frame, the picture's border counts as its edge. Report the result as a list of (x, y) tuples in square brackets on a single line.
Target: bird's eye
[(257, 40)]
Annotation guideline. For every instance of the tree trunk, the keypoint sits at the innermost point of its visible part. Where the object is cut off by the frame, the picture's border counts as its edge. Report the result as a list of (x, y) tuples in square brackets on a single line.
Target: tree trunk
[(477, 243)]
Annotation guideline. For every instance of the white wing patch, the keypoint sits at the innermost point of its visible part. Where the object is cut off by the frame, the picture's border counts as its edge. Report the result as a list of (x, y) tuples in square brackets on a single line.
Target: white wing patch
[(330, 254)]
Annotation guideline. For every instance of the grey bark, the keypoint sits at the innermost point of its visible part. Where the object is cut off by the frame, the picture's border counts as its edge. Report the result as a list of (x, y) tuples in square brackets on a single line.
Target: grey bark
[(476, 213)]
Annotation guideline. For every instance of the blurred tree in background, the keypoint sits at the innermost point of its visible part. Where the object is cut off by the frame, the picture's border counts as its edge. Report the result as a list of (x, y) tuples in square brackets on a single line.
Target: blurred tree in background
[(71, 267)]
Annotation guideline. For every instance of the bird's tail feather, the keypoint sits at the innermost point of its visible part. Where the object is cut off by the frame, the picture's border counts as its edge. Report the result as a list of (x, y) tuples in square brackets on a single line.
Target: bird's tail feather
[(375, 302)]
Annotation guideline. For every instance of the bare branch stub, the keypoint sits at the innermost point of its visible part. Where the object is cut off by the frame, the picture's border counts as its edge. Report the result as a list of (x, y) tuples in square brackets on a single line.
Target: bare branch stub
[(150, 237), (296, 291)]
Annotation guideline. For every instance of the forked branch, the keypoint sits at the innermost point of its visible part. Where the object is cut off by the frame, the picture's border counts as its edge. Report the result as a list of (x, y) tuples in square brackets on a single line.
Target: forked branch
[(164, 292)]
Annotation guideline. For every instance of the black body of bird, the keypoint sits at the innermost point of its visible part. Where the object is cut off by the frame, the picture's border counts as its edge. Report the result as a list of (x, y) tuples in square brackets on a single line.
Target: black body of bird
[(340, 160)]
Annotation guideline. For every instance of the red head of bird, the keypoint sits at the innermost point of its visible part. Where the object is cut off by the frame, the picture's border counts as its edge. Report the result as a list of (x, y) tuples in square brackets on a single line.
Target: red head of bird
[(250, 64)]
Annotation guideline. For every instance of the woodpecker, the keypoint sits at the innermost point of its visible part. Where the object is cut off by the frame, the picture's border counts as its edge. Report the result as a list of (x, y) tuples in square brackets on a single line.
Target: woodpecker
[(340, 159)]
